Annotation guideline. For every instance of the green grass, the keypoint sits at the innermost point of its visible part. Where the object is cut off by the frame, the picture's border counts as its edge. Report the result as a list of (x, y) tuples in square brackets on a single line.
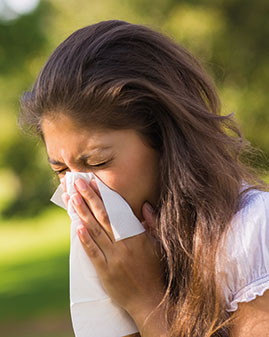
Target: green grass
[(31, 288), (34, 255), (29, 239)]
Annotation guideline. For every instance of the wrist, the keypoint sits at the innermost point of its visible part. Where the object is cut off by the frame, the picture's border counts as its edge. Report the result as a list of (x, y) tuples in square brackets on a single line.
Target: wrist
[(141, 308), (150, 318)]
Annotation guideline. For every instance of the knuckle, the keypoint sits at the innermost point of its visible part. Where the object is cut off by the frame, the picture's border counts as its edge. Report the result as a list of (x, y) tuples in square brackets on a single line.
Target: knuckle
[(117, 262), (103, 216), (88, 195), (87, 219), (92, 252), (95, 231)]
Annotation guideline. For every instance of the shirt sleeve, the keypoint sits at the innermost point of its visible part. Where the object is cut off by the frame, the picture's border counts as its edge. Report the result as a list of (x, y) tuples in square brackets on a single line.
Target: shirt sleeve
[(243, 256)]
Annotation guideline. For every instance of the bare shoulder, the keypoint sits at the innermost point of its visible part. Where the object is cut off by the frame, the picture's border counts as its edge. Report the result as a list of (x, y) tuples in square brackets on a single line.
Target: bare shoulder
[(252, 318)]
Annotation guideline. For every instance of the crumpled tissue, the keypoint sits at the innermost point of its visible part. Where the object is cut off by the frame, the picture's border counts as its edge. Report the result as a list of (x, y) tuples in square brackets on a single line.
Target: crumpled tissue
[(93, 312)]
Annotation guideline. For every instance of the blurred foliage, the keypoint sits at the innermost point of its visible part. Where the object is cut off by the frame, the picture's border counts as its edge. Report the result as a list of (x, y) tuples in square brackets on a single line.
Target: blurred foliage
[(22, 42), (230, 37), (34, 276), (22, 39)]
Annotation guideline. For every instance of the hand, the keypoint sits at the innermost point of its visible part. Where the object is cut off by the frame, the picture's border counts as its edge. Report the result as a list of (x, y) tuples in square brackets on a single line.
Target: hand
[(130, 270)]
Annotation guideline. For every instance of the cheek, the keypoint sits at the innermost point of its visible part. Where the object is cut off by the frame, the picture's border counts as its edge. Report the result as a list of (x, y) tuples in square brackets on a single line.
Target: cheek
[(118, 180), (136, 181)]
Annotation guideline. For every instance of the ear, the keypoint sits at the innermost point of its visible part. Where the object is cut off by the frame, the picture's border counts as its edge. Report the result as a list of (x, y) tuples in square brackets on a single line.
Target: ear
[(150, 219)]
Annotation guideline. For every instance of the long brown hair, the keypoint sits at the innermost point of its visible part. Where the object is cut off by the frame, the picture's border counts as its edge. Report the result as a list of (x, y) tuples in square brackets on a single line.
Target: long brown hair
[(119, 75)]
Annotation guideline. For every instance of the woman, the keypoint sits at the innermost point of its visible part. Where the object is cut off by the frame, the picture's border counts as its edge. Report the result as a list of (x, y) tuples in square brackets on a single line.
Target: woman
[(129, 105)]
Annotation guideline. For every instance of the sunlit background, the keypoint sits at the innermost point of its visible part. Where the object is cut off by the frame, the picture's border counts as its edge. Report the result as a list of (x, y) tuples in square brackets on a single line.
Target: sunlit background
[(230, 37)]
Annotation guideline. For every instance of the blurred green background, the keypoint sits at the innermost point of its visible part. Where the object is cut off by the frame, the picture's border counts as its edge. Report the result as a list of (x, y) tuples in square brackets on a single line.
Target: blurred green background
[(231, 37)]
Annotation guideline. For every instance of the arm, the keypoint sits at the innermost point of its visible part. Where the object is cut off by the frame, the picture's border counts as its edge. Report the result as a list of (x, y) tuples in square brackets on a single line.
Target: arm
[(252, 318)]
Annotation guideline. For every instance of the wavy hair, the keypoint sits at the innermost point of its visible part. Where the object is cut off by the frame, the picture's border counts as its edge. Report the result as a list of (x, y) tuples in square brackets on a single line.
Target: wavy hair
[(119, 75)]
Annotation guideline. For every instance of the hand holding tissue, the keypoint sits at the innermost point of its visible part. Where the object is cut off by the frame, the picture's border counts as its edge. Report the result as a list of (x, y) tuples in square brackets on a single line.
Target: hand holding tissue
[(93, 312)]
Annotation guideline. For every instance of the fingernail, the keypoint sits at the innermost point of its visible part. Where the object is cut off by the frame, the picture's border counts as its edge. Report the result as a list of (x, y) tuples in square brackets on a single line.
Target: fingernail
[(80, 230), (65, 197), (76, 199), (63, 183), (148, 207), (81, 185), (82, 233)]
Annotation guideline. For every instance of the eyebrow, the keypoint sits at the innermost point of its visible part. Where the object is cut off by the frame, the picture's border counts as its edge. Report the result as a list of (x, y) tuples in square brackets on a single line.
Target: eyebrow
[(81, 158), (55, 162)]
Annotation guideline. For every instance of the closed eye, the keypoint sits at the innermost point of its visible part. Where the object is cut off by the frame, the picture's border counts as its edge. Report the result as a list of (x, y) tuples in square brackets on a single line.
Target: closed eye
[(105, 163), (97, 165), (61, 171), (88, 166)]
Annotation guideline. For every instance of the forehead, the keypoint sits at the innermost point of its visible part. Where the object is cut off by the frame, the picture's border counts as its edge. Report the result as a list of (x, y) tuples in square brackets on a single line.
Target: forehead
[(62, 133), (64, 139), (59, 122), (63, 127)]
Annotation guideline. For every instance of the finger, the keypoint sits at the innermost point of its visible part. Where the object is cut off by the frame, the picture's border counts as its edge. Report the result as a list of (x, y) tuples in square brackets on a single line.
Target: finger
[(90, 247), (65, 198), (94, 186), (95, 230), (63, 183), (95, 204)]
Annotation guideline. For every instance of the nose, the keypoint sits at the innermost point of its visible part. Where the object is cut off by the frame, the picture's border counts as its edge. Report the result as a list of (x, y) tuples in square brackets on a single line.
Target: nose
[(72, 164), (79, 169)]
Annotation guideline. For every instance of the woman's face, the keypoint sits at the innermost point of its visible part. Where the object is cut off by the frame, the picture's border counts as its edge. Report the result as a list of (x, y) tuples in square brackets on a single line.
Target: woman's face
[(120, 158)]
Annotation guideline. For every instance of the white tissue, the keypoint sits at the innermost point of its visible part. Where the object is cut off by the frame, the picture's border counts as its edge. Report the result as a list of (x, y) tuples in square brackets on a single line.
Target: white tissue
[(93, 312)]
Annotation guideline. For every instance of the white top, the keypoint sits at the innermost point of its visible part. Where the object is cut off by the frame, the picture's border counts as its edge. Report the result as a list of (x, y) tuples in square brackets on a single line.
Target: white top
[(243, 259)]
